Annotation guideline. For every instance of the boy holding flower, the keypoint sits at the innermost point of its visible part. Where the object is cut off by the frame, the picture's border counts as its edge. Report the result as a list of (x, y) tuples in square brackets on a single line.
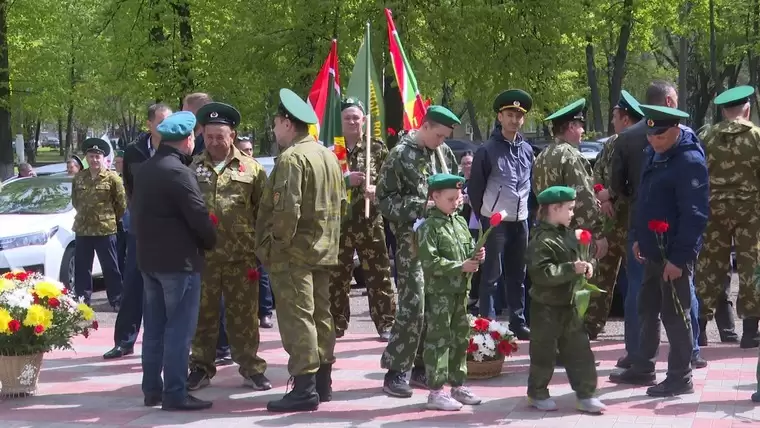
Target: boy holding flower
[(447, 254), (555, 266)]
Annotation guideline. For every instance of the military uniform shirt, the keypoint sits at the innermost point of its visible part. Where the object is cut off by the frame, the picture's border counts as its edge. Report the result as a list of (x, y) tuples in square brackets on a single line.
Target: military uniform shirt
[(444, 244), (357, 161), (732, 152), (100, 202)]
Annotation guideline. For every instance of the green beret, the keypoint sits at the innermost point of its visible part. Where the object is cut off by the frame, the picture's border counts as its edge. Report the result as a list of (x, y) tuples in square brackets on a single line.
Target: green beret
[(556, 195), (96, 145), (352, 102), (443, 116), (630, 105), (119, 153), (660, 119), (568, 113), (177, 126), (445, 181), (220, 113), (513, 99), (293, 107), (734, 96)]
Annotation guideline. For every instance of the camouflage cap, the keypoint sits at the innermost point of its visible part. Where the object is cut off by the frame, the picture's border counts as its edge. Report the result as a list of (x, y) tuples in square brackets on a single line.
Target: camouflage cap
[(556, 195), (660, 118), (442, 116), (734, 96), (445, 181), (352, 102)]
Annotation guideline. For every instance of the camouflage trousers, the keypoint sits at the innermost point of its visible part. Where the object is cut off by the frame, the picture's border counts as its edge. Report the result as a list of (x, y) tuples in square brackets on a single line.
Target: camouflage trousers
[(559, 328), (306, 327), (605, 278), (241, 306), (446, 338), (404, 349), (740, 221), (367, 238)]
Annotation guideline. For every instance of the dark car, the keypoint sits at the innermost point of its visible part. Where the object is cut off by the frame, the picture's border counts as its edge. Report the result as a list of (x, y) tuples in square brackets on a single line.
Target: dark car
[(460, 147)]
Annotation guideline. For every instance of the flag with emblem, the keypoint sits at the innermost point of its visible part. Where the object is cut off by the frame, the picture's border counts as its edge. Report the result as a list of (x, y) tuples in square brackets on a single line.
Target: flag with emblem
[(358, 88), (414, 106)]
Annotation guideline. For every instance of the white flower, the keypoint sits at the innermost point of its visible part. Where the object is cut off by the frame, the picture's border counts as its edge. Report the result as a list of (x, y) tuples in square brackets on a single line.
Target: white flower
[(19, 298)]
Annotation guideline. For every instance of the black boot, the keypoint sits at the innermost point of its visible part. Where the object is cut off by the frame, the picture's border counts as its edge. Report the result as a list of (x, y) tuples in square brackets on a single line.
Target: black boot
[(724, 318), (749, 334), (324, 383), (702, 339), (303, 397)]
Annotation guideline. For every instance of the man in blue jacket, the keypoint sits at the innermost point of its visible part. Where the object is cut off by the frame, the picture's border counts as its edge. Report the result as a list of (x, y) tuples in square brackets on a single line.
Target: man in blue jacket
[(500, 181), (673, 189)]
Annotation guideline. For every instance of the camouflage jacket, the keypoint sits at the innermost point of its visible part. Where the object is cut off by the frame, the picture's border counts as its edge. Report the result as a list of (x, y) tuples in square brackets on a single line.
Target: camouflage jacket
[(357, 161), (443, 244), (551, 254), (233, 196), (300, 210), (100, 202), (732, 152), (561, 164), (602, 175), (402, 191)]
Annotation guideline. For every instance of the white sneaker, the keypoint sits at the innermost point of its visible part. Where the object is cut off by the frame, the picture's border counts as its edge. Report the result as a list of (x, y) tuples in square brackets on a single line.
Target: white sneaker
[(591, 405), (439, 400), (465, 396), (547, 405)]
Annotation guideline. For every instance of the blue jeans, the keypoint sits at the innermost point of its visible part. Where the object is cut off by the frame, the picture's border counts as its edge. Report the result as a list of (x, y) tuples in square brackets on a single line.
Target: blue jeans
[(131, 311), (635, 272), (505, 261), (171, 305)]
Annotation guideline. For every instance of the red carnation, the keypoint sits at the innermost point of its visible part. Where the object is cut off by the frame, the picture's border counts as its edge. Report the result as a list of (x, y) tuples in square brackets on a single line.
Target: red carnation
[(253, 274), (95, 325), (38, 329), (481, 324), (497, 218), (495, 336), (86, 333), (658, 226), (598, 188), (585, 237), (53, 302), (65, 291), (22, 276), (214, 219), (504, 348), (14, 326), (472, 347), (36, 298)]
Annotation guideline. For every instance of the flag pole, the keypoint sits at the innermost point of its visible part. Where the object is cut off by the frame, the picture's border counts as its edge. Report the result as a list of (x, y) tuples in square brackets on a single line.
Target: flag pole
[(368, 122)]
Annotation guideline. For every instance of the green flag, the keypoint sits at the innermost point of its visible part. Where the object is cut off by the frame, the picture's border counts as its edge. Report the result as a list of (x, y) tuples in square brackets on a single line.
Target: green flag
[(357, 88)]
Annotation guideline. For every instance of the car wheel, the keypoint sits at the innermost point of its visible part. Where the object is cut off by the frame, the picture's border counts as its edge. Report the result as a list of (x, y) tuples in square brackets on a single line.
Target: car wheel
[(67, 268)]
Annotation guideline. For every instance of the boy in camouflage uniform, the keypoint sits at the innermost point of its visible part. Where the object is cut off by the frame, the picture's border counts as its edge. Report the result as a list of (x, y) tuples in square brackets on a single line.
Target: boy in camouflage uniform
[(445, 249), (554, 266)]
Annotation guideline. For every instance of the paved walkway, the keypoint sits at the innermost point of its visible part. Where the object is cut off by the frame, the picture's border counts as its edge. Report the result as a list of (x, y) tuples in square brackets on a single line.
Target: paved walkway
[(79, 389)]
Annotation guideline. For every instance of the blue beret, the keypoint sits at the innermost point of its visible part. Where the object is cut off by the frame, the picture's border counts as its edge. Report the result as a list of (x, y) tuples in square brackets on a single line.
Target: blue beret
[(177, 127)]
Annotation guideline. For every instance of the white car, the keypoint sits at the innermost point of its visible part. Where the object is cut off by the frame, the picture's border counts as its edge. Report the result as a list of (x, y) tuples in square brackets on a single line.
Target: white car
[(36, 218)]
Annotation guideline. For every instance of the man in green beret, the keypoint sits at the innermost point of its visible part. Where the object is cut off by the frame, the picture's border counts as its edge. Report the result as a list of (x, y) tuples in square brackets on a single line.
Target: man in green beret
[(402, 195), (232, 184), (557, 329), (98, 196), (365, 236), (298, 233), (561, 164), (500, 181), (625, 114), (732, 152), (118, 162)]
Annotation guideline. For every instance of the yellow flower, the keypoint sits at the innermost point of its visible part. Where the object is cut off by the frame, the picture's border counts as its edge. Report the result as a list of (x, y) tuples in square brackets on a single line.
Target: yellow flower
[(5, 318), (86, 311), (38, 315), (6, 284), (47, 289)]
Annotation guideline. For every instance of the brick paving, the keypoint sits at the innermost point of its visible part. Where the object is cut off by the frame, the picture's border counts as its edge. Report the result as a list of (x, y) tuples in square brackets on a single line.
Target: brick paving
[(80, 389)]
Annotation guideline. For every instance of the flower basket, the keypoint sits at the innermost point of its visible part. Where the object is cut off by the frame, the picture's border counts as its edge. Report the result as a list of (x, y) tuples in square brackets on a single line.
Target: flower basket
[(484, 369), (490, 344), (19, 374), (36, 315)]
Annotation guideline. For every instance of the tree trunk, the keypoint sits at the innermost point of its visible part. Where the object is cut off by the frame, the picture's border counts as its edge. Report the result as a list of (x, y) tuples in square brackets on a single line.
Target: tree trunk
[(717, 81), (184, 69), (6, 135), (61, 145), (476, 134), (683, 59), (70, 130), (621, 55), (157, 38), (593, 83)]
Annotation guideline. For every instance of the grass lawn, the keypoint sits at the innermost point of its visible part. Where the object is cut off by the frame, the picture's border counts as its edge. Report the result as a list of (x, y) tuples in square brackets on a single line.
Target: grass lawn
[(47, 155)]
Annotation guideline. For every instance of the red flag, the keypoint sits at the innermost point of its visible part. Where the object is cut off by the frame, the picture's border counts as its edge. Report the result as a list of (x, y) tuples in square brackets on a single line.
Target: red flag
[(414, 106)]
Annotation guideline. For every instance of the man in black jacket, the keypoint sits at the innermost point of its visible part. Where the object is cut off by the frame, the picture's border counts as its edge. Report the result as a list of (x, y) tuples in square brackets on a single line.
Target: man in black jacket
[(173, 229), (130, 313)]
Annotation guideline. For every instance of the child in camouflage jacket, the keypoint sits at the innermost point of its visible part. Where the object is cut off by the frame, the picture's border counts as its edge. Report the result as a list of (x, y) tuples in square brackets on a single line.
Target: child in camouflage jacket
[(445, 249)]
